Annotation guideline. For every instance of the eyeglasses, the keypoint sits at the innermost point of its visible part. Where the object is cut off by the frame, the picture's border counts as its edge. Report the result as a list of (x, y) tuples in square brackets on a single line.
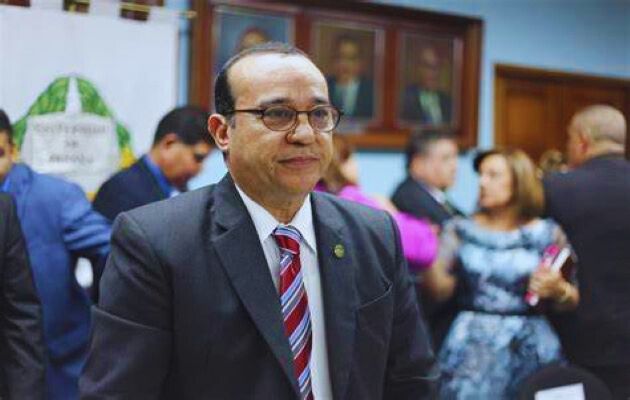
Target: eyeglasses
[(322, 118)]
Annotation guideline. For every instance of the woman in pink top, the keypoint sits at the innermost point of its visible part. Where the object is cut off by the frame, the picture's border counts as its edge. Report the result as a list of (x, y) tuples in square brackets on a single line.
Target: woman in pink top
[(418, 237)]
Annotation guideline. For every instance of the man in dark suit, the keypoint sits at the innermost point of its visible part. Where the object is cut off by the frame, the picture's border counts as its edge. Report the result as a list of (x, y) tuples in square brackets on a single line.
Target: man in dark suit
[(348, 88), (424, 101), (256, 287), (180, 146), (22, 352), (592, 204), (431, 158)]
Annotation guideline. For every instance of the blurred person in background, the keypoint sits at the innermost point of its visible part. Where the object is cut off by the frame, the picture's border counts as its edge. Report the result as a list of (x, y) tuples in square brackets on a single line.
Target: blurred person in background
[(419, 240), (22, 351), (592, 204), (497, 339), (551, 161), (180, 146), (431, 161), (59, 226)]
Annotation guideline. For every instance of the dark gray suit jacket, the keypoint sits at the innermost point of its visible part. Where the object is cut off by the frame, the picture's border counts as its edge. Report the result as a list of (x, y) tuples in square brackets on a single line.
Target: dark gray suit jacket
[(411, 197), (188, 309), (22, 353), (127, 189), (592, 204), (412, 109)]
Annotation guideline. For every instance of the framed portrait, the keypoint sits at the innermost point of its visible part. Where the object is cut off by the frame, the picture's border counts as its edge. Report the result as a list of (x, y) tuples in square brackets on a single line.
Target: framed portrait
[(391, 70), (350, 56), (236, 28), (430, 80)]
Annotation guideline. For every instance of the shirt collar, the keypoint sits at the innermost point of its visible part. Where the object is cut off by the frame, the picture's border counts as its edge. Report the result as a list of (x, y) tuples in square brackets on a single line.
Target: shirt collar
[(436, 193), (265, 223), (5, 185), (164, 184)]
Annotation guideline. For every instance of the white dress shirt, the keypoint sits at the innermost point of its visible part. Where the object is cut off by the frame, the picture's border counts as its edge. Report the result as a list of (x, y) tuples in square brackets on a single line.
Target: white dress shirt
[(265, 223), (348, 94), (437, 194), (430, 103)]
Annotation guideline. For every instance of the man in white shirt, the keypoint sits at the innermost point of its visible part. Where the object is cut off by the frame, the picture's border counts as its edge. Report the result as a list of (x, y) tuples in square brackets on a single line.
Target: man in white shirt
[(256, 287)]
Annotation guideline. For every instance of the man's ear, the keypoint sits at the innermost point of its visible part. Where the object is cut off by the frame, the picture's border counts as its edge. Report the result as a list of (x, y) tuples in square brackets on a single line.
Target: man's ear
[(14, 153), (168, 140), (585, 140), (218, 128)]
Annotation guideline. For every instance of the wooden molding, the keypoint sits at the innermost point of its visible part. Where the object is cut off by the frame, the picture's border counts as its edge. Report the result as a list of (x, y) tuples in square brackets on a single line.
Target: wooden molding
[(533, 106), (387, 132), (515, 71)]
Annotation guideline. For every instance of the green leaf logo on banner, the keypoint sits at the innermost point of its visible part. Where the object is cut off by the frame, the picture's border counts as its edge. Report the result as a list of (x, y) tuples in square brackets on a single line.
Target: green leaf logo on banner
[(70, 131)]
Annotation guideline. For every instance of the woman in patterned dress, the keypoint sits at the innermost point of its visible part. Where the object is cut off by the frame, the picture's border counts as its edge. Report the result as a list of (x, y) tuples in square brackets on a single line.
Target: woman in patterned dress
[(490, 260)]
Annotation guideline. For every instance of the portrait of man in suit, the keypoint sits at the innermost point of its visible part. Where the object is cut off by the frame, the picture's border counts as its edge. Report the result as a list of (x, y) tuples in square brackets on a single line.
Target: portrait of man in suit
[(350, 89), (239, 29), (347, 55), (258, 287), (426, 95)]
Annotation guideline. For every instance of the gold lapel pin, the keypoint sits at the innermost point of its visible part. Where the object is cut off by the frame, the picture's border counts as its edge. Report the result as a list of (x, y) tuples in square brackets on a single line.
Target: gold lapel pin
[(339, 251)]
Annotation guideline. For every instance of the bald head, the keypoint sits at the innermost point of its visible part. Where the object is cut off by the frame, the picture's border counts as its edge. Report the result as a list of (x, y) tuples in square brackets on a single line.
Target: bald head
[(223, 97), (602, 123), (596, 130)]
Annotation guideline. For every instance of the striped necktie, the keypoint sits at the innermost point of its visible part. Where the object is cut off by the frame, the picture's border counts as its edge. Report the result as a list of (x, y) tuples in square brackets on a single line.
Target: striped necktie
[(297, 319)]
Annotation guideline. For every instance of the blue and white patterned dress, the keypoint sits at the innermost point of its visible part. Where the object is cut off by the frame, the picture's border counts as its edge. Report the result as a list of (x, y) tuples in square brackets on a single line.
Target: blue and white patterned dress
[(497, 340)]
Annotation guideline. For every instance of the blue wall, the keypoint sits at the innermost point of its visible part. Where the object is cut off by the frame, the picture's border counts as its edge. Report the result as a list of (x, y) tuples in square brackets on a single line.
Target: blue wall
[(589, 36)]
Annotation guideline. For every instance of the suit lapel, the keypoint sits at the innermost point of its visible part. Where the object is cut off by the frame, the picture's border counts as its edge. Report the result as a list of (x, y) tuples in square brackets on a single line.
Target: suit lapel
[(243, 259), (338, 290), (441, 211), (152, 184), (19, 186)]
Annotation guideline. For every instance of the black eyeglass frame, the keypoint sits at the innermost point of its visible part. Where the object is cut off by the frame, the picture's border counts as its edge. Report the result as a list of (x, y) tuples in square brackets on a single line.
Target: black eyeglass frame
[(261, 114)]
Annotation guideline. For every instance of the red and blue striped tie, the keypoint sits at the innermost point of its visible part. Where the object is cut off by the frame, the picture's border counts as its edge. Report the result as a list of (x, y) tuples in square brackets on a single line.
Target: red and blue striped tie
[(297, 319)]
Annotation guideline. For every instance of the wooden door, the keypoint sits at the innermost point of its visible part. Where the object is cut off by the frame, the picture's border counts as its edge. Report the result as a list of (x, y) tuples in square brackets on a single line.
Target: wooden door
[(576, 98), (533, 107), (526, 117)]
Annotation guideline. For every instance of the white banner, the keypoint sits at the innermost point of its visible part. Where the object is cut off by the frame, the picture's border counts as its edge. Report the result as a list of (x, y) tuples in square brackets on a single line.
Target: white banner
[(85, 91)]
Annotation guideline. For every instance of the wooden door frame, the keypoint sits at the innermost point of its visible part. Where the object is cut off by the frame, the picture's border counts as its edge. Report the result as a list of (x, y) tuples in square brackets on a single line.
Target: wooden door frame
[(510, 71)]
